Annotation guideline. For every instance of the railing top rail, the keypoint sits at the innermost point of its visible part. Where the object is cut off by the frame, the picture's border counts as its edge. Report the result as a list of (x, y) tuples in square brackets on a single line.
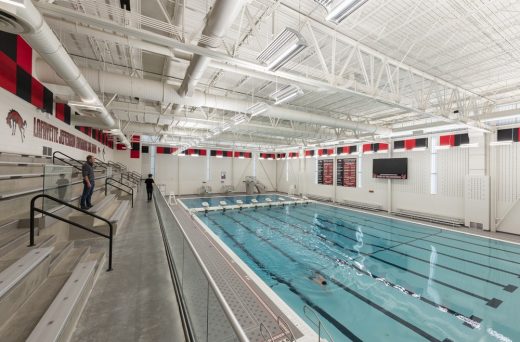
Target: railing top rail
[(220, 297), (33, 209), (69, 159), (115, 180)]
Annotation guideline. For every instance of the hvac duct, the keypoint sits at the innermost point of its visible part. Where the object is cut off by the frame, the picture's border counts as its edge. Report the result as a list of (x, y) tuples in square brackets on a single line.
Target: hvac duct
[(158, 91), (218, 23), (26, 20)]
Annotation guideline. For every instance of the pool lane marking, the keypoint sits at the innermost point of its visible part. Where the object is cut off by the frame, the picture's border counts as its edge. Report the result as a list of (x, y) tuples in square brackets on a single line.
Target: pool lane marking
[(393, 316), (468, 321), (509, 287), (493, 302), (442, 237), (416, 239), (338, 325), (439, 252)]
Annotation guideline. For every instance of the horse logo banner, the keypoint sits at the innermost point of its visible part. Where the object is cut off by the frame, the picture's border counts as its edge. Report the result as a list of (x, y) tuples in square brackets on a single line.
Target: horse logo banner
[(15, 120)]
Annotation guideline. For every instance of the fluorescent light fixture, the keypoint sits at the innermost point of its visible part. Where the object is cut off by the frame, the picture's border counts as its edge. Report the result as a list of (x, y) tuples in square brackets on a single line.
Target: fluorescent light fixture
[(504, 117), (239, 118), (324, 3), (194, 155), (501, 143), (257, 109), (399, 150), (382, 151), (286, 93), (343, 10), (469, 145), (442, 147), (287, 45), (18, 3), (219, 156), (419, 149), (182, 154), (240, 157), (226, 127), (82, 105), (369, 152)]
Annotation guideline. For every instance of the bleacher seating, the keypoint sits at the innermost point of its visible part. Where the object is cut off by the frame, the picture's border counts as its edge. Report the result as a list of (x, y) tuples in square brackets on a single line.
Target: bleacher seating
[(44, 288)]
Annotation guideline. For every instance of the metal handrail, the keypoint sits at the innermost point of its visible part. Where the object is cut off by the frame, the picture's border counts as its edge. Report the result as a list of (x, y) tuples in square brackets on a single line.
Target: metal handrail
[(220, 297), (34, 191), (101, 164), (306, 309), (286, 326), (45, 212), (65, 161), (131, 192), (130, 179), (270, 339)]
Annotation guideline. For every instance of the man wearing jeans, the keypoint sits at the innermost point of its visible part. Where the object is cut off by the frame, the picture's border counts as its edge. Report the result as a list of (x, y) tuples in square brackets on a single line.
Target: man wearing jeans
[(87, 172)]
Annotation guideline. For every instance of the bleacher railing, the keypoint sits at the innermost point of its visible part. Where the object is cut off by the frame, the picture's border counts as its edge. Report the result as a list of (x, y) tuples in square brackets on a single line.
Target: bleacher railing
[(206, 315), (72, 223)]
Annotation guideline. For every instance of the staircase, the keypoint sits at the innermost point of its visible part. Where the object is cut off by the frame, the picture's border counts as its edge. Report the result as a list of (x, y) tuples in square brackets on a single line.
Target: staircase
[(44, 288)]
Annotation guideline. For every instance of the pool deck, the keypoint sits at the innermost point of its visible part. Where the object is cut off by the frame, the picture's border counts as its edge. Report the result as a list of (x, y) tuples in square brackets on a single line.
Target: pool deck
[(245, 293)]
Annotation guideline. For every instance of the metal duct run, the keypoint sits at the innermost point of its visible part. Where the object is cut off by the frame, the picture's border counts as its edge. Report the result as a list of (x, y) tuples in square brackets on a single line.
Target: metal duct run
[(165, 93), (33, 28), (218, 23)]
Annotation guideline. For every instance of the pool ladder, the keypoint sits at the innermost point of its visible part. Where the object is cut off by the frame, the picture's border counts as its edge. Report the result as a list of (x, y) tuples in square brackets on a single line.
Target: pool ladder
[(317, 322), (284, 327)]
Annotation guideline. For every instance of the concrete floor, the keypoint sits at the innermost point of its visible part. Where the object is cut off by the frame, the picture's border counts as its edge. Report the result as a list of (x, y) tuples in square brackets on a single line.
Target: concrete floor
[(136, 301)]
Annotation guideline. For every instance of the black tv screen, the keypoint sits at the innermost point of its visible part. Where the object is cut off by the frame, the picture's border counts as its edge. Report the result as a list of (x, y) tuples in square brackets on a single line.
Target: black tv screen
[(390, 168)]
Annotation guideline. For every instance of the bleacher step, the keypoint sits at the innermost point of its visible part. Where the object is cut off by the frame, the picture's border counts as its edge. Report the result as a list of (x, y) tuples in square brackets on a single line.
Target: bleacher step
[(58, 322), (19, 280)]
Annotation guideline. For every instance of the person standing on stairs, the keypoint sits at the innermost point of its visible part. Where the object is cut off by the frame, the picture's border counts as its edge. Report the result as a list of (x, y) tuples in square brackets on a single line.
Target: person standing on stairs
[(149, 187), (87, 172)]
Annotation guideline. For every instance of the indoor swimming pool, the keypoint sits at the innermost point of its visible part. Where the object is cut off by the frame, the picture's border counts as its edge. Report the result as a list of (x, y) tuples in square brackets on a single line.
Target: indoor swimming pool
[(231, 200), (373, 278)]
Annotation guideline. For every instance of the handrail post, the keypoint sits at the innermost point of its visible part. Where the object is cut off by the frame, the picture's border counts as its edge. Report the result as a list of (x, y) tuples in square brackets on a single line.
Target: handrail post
[(110, 247), (106, 185), (31, 230), (110, 237)]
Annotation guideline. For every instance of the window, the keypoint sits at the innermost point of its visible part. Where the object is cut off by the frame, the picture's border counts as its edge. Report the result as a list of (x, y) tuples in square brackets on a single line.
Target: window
[(286, 169), (153, 153), (433, 167), (360, 169)]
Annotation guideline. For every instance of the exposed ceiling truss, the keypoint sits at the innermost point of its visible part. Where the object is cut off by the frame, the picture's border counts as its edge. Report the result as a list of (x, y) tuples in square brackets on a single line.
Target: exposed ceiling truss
[(393, 64)]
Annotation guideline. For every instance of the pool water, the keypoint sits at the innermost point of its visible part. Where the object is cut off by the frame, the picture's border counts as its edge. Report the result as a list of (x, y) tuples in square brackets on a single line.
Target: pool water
[(231, 200), (386, 279)]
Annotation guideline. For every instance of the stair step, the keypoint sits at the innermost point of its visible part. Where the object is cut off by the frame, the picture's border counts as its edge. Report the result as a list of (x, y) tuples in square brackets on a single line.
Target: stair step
[(19, 280), (61, 251), (22, 249), (58, 322), (23, 321), (73, 257), (10, 239)]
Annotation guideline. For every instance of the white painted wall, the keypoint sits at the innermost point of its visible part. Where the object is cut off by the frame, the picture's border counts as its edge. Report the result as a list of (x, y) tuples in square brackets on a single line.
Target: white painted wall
[(412, 193), (33, 145), (132, 164)]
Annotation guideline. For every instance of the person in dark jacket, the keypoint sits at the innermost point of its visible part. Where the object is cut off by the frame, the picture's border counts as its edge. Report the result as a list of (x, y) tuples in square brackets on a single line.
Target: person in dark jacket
[(149, 187), (87, 171)]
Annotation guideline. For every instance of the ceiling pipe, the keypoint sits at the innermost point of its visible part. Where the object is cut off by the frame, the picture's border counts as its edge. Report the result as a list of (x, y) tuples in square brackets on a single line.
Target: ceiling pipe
[(159, 91), (35, 31), (218, 22)]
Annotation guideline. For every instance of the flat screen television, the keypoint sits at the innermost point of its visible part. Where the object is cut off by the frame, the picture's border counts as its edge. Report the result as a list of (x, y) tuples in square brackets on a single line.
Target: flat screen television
[(390, 168)]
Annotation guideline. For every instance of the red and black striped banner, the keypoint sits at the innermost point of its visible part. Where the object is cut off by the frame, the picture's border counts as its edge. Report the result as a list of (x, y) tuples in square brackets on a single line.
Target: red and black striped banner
[(16, 73), (410, 144)]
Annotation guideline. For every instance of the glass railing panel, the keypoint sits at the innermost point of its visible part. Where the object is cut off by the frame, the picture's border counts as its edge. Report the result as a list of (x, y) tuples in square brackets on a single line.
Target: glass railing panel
[(57, 182), (210, 317)]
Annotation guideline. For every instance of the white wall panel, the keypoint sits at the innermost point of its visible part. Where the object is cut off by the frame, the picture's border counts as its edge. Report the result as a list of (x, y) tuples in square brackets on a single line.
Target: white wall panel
[(453, 165)]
